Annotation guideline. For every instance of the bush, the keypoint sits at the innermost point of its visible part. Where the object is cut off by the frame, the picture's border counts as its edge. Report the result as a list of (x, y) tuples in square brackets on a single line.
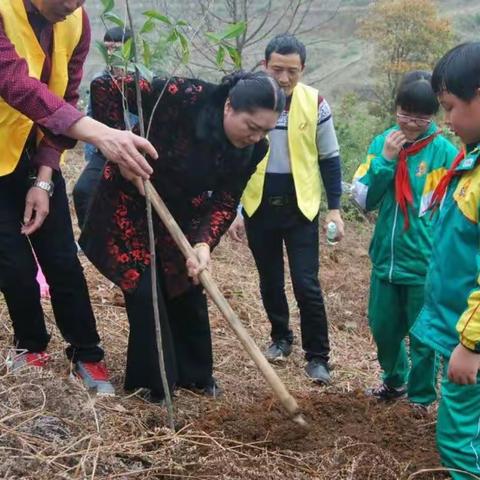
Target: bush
[(356, 127)]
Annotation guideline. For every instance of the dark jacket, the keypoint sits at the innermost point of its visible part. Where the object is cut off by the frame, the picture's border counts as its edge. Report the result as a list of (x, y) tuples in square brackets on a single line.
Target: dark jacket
[(199, 174)]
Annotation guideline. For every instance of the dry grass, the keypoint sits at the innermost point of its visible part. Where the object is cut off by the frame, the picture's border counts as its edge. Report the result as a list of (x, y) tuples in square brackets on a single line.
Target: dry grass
[(50, 427)]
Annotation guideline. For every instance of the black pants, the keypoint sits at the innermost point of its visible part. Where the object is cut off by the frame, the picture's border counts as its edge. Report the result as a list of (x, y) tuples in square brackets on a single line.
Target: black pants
[(187, 344), (267, 231), (86, 185), (56, 251)]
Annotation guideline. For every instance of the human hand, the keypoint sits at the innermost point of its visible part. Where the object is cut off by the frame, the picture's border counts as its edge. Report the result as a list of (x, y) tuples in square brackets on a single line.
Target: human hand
[(198, 263), (118, 146), (135, 179), (335, 217), (237, 229), (463, 366), (393, 144), (37, 207), (123, 148)]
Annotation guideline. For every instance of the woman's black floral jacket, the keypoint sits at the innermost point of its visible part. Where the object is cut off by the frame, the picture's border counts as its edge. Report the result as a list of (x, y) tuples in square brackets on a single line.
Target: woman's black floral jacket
[(199, 174)]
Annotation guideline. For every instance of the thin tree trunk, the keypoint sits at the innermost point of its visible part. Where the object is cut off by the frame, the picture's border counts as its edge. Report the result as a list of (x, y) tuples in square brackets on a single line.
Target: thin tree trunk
[(151, 237)]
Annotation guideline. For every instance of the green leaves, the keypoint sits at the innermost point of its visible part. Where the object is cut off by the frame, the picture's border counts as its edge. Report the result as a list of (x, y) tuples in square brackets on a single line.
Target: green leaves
[(232, 32), (159, 35), (145, 72), (220, 57), (107, 6), (185, 46), (113, 18), (148, 26), (174, 35), (147, 53), (224, 47), (127, 50), (103, 51), (232, 52), (153, 14), (235, 56)]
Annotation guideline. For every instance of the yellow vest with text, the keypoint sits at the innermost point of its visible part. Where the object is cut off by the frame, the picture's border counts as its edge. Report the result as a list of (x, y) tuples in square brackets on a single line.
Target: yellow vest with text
[(303, 153), (14, 126)]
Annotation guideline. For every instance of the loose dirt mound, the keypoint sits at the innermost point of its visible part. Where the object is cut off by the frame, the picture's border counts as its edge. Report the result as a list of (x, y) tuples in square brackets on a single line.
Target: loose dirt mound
[(352, 433)]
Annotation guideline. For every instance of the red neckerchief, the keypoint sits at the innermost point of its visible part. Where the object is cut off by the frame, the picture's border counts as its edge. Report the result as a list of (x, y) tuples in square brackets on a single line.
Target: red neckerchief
[(442, 186), (403, 189)]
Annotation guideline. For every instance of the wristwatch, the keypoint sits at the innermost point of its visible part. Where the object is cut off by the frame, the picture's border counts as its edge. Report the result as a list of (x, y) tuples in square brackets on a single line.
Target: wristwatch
[(43, 185)]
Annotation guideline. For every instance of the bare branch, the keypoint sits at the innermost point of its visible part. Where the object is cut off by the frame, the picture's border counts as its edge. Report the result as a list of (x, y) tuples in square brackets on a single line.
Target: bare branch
[(272, 28), (292, 19), (207, 12), (262, 19), (240, 40), (302, 19), (297, 30), (262, 23)]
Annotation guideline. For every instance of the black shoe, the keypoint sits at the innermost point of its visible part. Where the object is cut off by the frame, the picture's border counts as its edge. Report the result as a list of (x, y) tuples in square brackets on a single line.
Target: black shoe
[(152, 396), (210, 389), (278, 351), (385, 392), (317, 369), (420, 410)]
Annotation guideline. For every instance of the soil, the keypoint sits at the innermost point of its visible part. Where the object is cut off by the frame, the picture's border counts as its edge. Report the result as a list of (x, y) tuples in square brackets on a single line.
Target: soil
[(350, 425)]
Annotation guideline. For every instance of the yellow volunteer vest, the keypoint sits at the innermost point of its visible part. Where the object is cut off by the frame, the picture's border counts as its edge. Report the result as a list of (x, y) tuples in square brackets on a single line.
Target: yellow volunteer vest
[(14, 126), (302, 132)]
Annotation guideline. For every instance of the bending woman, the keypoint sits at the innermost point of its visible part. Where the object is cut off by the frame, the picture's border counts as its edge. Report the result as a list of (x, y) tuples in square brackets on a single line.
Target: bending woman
[(209, 139)]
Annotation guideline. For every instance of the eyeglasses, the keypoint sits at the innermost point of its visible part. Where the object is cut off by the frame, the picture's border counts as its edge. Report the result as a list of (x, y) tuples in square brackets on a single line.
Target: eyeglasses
[(419, 122)]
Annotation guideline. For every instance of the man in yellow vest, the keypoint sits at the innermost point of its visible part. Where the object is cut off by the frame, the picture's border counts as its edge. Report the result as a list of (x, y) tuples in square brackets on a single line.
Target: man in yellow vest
[(43, 45), (281, 204)]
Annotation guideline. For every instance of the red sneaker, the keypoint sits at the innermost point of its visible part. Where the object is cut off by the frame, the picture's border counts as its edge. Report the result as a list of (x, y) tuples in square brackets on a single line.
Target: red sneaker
[(19, 359), (94, 376)]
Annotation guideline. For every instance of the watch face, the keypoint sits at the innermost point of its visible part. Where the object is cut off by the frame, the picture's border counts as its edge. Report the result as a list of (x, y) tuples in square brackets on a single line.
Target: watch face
[(46, 186)]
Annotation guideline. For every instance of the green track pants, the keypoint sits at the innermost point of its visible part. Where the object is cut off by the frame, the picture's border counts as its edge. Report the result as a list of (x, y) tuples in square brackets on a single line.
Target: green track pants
[(458, 428), (392, 310)]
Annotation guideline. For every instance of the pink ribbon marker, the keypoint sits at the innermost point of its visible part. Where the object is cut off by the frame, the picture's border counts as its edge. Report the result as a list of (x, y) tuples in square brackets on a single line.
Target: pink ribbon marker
[(41, 280)]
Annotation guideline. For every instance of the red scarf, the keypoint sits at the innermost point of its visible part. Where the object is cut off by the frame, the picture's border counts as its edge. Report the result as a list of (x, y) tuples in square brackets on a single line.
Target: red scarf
[(403, 189), (442, 186)]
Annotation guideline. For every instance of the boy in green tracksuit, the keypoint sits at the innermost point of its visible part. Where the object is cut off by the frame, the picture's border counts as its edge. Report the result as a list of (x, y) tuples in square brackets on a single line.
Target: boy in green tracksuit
[(450, 319), (403, 166)]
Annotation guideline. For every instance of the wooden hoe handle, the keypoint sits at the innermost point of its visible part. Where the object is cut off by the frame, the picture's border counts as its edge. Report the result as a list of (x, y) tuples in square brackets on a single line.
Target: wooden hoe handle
[(289, 403)]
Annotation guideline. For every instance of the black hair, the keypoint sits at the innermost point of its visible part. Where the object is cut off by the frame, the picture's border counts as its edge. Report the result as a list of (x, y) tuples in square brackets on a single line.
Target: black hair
[(248, 91), (415, 93), (458, 71), (117, 34), (286, 44)]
